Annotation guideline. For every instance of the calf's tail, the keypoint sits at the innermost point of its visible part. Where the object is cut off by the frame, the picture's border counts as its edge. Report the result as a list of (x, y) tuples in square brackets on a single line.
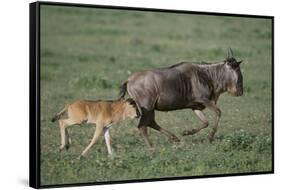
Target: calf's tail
[(58, 115), (123, 90)]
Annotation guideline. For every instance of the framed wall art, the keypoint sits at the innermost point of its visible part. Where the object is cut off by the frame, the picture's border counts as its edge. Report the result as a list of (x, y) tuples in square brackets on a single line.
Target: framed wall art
[(122, 94)]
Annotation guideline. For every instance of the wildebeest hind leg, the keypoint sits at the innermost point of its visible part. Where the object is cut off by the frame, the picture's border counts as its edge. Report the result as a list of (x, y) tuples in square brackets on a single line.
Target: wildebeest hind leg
[(146, 118), (169, 134), (202, 118), (143, 131)]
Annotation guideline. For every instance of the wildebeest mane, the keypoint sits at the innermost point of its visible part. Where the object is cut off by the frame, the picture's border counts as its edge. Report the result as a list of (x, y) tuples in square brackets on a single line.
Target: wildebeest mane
[(211, 75), (189, 62), (216, 73), (175, 65)]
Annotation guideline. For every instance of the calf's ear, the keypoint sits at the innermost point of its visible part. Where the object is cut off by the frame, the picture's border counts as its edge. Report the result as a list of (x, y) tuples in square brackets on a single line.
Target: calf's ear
[(131, 101)]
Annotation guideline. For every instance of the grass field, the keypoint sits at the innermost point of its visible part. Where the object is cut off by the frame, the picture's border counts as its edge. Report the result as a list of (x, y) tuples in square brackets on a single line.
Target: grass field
[(87, 53)]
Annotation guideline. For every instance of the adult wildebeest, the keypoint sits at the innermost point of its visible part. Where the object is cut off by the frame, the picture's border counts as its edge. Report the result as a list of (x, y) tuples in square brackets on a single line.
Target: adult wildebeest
[(185, 85)]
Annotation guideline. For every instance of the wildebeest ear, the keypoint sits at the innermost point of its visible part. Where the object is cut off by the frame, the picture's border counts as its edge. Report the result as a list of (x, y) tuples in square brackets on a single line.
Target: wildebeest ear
[(239, 62), (231, 52), (234, 64)]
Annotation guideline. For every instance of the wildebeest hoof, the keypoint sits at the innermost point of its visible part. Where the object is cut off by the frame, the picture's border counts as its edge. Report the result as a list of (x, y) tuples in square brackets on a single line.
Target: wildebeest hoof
[(211, 139), (175, 139), (189, 132)]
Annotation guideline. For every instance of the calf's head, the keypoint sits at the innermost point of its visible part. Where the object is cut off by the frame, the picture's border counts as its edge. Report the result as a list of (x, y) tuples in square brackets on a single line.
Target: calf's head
[(131, 110), (233, 75)]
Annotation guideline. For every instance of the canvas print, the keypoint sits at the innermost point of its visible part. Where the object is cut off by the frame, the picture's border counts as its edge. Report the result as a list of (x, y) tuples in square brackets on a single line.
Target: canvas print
[(131, 95)]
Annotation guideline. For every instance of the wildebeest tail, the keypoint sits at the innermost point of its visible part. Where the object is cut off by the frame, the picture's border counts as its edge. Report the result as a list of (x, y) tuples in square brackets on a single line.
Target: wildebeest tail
[(58, 115), (123, 90)]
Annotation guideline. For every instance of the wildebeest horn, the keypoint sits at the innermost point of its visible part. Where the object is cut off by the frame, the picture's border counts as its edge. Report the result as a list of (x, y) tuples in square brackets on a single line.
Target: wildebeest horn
[(227, 55), (230, 50)]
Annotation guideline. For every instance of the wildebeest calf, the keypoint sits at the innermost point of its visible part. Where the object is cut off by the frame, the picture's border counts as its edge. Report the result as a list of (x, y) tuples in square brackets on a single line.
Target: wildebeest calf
[(102, 113)]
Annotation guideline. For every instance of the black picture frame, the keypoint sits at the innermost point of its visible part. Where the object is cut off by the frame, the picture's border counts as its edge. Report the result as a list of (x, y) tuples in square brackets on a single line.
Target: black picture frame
[(34, 98)]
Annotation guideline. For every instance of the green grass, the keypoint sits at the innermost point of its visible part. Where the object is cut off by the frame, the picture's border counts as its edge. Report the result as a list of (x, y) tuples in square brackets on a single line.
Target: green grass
[(87, 53)]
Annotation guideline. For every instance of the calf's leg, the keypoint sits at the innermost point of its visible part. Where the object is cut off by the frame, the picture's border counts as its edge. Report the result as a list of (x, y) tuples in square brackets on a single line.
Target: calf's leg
[(107, 140), (99, 129), (65, 138), (68, 139)]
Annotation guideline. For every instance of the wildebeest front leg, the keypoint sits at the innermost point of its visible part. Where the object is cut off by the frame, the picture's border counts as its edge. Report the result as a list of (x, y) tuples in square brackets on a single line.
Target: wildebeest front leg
[(212, 106), (202, 118)]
